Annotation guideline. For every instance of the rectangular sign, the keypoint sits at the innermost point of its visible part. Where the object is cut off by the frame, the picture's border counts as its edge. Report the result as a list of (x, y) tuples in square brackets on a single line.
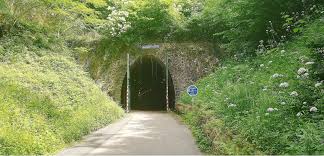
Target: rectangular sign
[(151, 46)]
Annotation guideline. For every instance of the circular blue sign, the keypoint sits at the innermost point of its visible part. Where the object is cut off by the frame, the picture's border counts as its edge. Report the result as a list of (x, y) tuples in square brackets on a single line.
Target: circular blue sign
[(192, 90)]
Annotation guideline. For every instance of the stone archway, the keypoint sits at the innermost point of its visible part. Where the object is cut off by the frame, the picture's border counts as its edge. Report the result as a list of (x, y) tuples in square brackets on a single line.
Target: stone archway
[(148, 85), (187, 63)]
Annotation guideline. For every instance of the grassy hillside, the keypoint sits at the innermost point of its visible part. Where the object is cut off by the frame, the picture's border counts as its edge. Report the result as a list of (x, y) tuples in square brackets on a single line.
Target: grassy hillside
[(271, 104), (47, 100)]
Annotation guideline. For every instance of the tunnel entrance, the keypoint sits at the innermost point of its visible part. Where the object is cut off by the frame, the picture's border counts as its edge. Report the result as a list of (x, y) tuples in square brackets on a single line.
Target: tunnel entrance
[(148, 85)]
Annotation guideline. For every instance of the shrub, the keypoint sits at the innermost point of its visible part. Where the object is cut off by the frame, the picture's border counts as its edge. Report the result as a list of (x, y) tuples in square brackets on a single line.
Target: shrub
[(239, 25)]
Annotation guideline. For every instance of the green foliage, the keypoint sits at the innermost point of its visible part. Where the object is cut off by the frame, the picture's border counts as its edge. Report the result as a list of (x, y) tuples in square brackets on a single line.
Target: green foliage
[(65, 18), (142, 20), (24, 122), (47, 100), (204, 142), (132, 23), (238, 26), (151, 20), (244, 101)]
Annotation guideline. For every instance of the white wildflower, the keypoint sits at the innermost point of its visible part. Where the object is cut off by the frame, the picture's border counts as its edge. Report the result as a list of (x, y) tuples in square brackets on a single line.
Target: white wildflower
[(302, 71), (303, 58), (294, 93), (283, 103), (270, 109), (261, 65), (304, 103), (309, 63), (305, 76), (231, 105), (299, 114), (313, 109), (318, 84), (284, 85), (122, 19), (276, 75), (265, 88)]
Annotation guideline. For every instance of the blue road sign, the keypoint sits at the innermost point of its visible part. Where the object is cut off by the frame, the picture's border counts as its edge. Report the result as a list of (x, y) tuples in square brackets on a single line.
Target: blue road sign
[(192, 90)]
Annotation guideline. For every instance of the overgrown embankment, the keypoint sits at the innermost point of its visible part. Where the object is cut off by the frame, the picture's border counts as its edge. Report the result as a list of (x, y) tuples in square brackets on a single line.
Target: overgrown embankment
[(47, 100), (271, 104)]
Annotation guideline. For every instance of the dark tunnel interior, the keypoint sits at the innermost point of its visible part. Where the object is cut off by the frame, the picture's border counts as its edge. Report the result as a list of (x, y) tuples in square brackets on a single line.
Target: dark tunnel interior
[(148, 85)]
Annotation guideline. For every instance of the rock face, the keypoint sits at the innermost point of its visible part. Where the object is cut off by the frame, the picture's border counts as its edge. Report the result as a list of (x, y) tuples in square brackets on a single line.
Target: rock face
[(187, 62)]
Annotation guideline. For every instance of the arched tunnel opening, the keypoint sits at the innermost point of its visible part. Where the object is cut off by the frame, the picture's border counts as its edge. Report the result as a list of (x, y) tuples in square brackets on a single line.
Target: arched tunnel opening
[(148, 85)]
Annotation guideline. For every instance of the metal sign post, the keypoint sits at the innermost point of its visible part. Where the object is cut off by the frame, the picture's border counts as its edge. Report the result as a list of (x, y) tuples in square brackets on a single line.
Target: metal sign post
[(128, 86), (167, 80)]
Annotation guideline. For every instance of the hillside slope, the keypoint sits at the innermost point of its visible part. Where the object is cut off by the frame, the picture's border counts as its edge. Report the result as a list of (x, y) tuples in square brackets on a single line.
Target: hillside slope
[(47, 100), (271, 104)]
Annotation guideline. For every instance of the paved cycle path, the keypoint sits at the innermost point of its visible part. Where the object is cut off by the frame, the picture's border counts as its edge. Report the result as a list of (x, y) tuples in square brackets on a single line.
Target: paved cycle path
[(139, 133)]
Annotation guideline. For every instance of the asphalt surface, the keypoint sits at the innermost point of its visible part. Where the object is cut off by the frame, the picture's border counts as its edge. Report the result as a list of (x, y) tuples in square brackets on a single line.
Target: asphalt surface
[(139, 133)]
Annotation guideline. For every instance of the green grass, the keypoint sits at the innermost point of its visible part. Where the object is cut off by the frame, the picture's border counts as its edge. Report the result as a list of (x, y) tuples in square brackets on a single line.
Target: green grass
[(248, 127), (47, 100)]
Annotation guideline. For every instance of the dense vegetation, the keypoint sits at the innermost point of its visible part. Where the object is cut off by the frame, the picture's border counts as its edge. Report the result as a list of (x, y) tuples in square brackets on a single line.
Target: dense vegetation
[(47, 101), (254, 103), (238, 26), (271, 103)]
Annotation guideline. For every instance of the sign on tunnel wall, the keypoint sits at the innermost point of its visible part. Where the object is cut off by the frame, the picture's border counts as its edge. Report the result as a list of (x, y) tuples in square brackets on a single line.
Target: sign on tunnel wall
[(192, 90), (151, 46)]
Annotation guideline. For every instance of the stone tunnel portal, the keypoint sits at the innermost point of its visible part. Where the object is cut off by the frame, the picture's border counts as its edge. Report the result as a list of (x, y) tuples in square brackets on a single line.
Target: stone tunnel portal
[(148, 85)]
